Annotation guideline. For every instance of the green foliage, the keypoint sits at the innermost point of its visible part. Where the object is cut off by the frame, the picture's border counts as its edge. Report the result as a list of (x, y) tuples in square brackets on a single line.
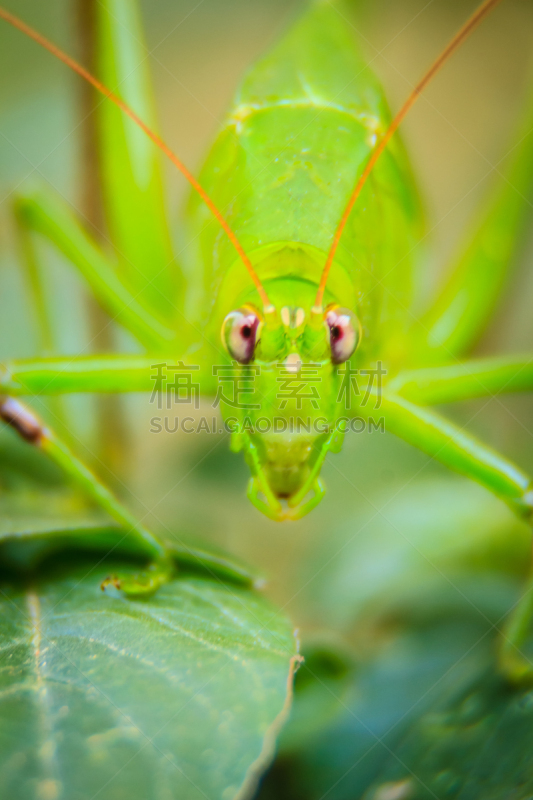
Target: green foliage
[(423, 714), (171, 697), (474, 744), (180, 694)]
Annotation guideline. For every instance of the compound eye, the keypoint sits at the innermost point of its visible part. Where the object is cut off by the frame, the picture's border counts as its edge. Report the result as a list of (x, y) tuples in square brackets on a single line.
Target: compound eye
[(344, 333), (239, 334)]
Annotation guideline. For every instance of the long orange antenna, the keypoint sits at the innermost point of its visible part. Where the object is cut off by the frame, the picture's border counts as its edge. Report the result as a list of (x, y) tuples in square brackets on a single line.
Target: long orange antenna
[(55, 51), (484, 9)]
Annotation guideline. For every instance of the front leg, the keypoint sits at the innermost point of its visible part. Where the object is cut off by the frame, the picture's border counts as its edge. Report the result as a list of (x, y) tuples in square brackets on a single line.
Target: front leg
[(108, 374), (480, 377), (30, 428), (457, 449), (460, 451)]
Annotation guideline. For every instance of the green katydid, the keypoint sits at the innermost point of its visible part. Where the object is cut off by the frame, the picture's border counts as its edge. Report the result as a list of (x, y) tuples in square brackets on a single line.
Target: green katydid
[(305, 277)]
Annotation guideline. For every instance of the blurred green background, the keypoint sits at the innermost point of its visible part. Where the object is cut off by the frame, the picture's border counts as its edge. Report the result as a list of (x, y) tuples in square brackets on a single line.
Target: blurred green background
[(397, 537)]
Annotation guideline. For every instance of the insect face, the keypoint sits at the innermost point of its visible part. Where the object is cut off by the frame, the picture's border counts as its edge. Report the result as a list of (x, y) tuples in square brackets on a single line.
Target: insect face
[(288, 379), (287, 337)]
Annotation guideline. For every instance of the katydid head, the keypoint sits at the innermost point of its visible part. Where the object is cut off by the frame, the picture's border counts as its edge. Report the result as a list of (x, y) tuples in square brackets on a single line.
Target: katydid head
[(285, 417)]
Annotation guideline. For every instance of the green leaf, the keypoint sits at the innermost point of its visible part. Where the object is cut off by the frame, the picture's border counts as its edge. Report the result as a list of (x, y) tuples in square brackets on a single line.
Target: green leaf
[(476, 746), (179, 696), (343, 759), (424, 700), (33, 525)]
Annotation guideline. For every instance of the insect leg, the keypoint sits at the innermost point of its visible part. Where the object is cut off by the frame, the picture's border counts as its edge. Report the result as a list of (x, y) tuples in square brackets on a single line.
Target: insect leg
[(30, 428), (476, 378), (458, 450), (460, 312), (33, 273), (130, 169), (105, 373), (43, 212), (41, 310)]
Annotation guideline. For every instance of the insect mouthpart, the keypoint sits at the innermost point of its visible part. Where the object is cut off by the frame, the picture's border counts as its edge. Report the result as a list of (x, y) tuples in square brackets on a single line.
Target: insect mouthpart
[(286, 483), (293, 362)]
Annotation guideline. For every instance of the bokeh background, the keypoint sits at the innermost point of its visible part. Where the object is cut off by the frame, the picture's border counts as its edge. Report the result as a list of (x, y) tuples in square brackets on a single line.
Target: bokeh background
[(396, 534)]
